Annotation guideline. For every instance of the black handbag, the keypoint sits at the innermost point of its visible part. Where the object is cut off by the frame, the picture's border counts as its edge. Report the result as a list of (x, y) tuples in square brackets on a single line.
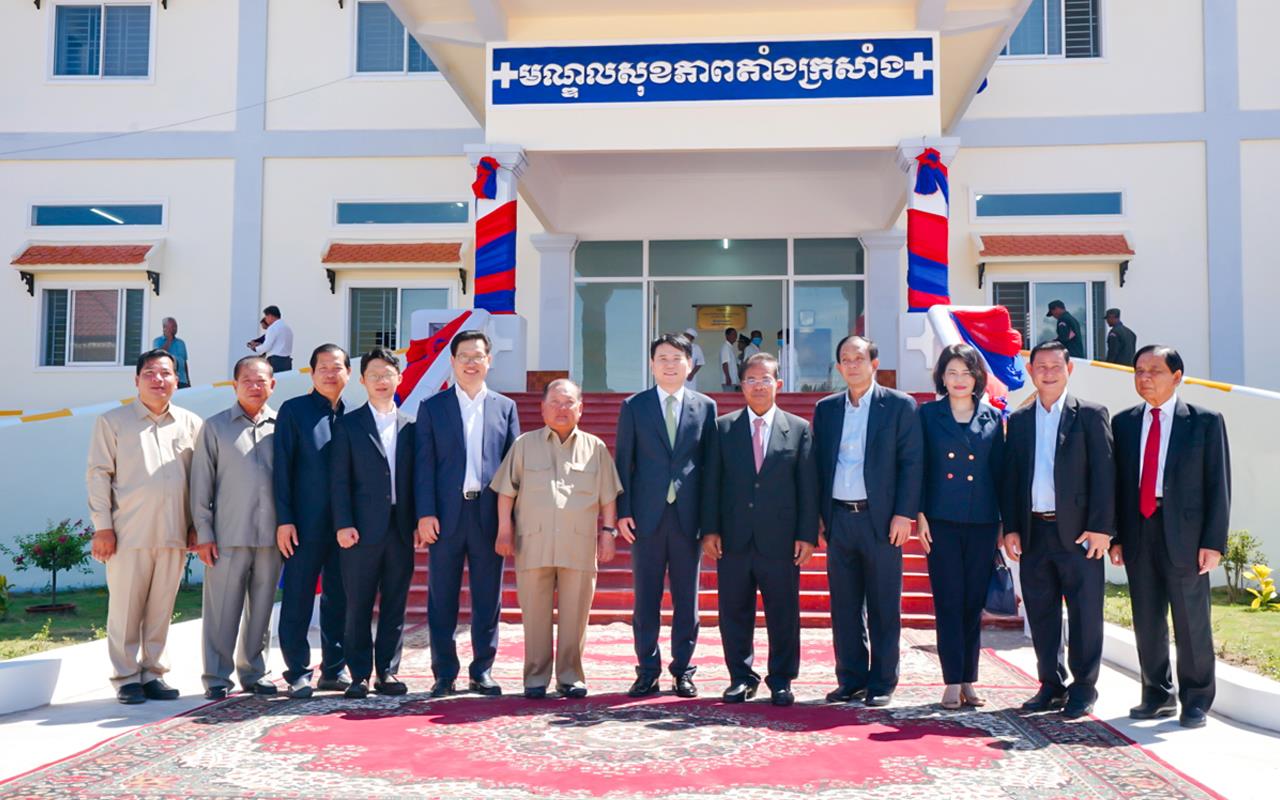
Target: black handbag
[(1000, 597)]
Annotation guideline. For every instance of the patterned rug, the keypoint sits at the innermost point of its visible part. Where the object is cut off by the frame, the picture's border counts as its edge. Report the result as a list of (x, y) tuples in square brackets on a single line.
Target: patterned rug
[(609, 746)]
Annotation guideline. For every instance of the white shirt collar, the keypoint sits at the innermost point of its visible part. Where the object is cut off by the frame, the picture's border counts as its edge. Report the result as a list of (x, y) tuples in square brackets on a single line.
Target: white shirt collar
[(862, 401), (766, 416), (678, 394), (464, 400), (1166, 408), (1056, 408), (383, 415)]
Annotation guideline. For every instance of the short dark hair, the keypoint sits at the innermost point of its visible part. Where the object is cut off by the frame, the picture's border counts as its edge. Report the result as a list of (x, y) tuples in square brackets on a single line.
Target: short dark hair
[(873, 350), (728, 331), (247, 360), (152, 355), (330, 347), (1112, 312), (380, 354), (470, 335), (768, 359), (1172, 358), (756, 333), (673, 339), (1051, 346), (972, 360), (557, 383), (273, 311)]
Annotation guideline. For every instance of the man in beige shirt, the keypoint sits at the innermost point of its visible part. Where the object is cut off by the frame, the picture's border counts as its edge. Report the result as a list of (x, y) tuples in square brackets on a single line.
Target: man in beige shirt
[(559, 481), (139, 461)]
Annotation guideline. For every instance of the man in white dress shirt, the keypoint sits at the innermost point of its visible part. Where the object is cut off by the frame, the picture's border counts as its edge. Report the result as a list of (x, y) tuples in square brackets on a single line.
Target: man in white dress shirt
[(697, 362), (277, 343), (729, 361)]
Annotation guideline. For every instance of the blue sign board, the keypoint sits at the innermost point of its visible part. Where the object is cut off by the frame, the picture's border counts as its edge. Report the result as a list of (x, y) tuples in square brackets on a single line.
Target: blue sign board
[(711, 71)]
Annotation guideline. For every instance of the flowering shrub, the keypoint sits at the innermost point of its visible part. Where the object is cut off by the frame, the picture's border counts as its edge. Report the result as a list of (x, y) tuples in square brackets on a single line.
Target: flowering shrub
[(58, 548)]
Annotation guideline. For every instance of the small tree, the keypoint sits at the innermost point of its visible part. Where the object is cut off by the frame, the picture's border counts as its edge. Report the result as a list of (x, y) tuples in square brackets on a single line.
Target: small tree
[(59, 547), (1242, 551)]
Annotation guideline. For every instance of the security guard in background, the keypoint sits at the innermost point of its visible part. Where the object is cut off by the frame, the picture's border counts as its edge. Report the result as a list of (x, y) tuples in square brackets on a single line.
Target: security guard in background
[(1068, 329)]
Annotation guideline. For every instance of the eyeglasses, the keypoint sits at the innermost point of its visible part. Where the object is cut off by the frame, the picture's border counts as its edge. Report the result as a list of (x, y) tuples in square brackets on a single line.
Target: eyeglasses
[(381, 377), (470, 360), (753, 382)]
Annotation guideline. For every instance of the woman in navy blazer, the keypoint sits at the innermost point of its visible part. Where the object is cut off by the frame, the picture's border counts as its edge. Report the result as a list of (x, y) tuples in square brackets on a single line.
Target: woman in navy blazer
[(960, 520)]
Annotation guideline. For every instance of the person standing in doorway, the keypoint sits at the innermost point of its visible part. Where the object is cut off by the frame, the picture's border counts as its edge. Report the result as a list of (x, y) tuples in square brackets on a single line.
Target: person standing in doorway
[(697, 362), (1122, 342), (1068, 328), (729, 361), (277, 343), (169, 342)]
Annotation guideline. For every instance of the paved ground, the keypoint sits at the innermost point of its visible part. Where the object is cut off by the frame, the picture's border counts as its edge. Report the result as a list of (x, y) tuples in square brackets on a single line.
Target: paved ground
[(1232, 759)]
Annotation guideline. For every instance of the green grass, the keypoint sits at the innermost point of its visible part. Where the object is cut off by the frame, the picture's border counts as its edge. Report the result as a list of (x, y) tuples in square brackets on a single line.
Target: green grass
[(1246, 638), (22, 633)]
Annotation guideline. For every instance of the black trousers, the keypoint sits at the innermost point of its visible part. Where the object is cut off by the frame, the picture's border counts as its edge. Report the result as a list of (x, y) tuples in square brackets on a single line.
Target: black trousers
[(280, 363), (739, 575), (314, 558), (380, 570), (865, 575), (960, 564), (1050, 573), (1156, 587), (472, 544), (654, 555)]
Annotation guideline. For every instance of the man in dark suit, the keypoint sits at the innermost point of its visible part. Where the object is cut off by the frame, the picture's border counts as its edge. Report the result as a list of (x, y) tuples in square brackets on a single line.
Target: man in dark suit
[(304, 520), (767, 529), (1121, 341), (1058, 508), (870, 474), (1068, 329), (373, 511), (462, 435), (666, 439), (1173, 488)]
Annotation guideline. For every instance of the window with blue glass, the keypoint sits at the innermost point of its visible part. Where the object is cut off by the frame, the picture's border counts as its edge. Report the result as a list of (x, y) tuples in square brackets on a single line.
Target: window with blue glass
[(1051, 204), (411, 213), (1056, 28), (102, 41), (383, 45), (122, 214)]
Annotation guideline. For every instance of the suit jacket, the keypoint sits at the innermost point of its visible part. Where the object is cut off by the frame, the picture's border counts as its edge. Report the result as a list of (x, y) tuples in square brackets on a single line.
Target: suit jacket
[(963, 464), (773, 509), (1084, 471), (647, 463), (440, 460), (894, 465), (300, 466), (361, 477), (1197, 480), (1122, 344)]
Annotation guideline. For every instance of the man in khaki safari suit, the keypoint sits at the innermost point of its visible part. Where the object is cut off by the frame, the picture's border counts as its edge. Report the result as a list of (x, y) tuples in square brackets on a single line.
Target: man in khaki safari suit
[(559, 481)]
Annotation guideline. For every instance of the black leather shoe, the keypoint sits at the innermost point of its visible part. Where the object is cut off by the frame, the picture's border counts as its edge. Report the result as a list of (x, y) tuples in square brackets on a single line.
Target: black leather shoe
[(261, 686), (535, 692), (157, 689), (845, 694), (300, 689), (131, 694), (643, 687), (739, 692), (1192, 718), (358, 690), (485, 686), (1045, 700), (215, 693), (1154, 710), (335, 684), (1074, 710), (389, 684), (443, 689), (878, 700), (685, 686), (573, 691), (782, 698)]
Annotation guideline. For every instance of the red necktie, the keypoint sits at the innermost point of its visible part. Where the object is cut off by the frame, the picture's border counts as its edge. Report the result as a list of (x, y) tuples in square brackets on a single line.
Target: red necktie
[(1150, 466)]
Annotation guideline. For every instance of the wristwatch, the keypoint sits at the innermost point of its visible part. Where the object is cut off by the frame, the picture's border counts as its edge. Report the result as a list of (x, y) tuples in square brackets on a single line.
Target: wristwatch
[(612, 531)]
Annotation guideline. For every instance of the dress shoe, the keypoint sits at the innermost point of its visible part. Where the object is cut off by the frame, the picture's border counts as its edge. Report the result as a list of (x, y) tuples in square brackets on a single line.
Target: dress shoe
[(300, 688), (739, 692), (389, 684), (643, 687), (157, 689), (443, 689), (262, 686), (573, 691), (358, 690), (131, 694), (845, 694), (1192, 717), (878, 700), (1045, 700), (1154, 710), (334, 684), (535, 692), (1076, 710), (215, 693), (782, 698), (685, 687), (485, 686)]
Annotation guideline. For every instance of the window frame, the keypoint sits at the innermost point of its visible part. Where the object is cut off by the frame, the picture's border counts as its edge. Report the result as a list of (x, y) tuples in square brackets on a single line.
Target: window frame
[(1042, 219), (354, 281), (97, 201), (1031, 278), (1103, 45), (80, 286), (402, 74), (52, 44), (400, 227)]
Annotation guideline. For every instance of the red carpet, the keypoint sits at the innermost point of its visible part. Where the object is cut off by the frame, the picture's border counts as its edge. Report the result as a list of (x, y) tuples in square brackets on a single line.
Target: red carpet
[(609, 746)]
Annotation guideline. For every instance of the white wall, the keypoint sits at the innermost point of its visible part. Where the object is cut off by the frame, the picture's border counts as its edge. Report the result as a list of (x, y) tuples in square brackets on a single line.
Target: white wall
[(1260, 244), (1257, 22)]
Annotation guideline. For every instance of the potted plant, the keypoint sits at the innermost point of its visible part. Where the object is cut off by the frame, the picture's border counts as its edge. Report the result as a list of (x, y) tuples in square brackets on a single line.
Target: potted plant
[(62, 546)]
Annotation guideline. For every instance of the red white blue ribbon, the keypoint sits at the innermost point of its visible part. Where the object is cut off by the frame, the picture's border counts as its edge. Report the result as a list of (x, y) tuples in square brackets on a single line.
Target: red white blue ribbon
[(927, 214), (990, 331), (485, 186), (495, 289)]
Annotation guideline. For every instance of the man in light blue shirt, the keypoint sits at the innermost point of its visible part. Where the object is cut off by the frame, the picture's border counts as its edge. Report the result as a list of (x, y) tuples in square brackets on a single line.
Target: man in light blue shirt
[(849, 484), (1043, 499), (171, 344)]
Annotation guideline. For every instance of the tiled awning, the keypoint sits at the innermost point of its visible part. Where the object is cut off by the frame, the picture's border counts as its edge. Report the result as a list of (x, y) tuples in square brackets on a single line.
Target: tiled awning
[(444, 253), (36, 258), (1054, 247)]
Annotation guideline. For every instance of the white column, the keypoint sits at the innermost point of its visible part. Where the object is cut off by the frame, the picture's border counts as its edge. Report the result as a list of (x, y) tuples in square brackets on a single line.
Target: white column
[(555, 283), (886, 290), (513, 162)]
